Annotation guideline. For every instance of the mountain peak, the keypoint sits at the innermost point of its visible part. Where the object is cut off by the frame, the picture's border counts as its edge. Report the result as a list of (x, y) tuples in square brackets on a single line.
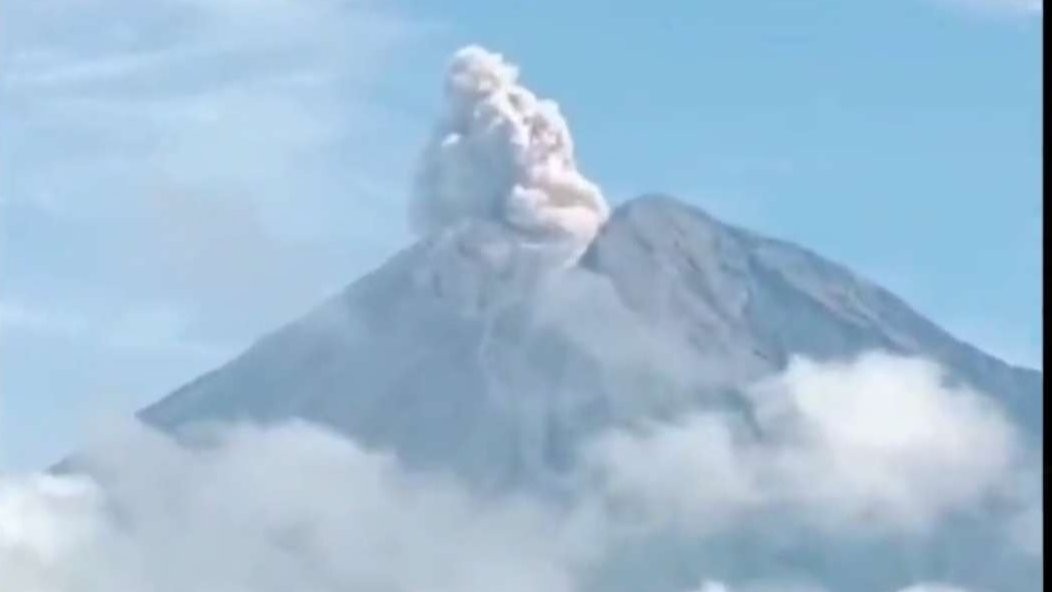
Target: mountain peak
[(470, 351), (718, 283)]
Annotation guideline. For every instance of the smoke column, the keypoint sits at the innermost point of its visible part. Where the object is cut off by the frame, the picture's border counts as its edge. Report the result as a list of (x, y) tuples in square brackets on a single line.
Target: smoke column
[(502, 154)]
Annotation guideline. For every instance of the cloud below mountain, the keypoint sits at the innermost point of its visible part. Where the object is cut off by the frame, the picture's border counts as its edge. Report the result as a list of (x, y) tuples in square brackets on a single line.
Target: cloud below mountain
[(256, 510), (881, 443), (879, 446)]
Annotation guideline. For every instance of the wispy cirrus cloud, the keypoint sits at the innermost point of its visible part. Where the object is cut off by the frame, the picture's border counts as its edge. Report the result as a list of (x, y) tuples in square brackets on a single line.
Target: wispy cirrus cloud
[(252, 136), (268, 105)]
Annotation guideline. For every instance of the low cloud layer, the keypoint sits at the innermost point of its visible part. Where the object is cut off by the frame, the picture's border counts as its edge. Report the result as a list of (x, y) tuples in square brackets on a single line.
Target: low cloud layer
[(881, 449), (500, 153), (881, 443), (257, 510)]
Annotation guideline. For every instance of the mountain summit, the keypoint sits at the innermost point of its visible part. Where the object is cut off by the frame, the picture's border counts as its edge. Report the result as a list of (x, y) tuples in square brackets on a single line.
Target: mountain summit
[(470, 351)]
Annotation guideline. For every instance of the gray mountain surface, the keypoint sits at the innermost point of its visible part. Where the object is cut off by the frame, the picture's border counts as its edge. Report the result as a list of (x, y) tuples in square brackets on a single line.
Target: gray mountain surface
[(765, 300), (469, 351)]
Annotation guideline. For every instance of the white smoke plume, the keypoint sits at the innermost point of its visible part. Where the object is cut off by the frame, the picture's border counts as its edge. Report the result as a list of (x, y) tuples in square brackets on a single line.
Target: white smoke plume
[(500, 153)]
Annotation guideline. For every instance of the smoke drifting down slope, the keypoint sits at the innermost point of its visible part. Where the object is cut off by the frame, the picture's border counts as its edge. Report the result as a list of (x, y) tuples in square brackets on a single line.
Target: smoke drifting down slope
[(500, 153)]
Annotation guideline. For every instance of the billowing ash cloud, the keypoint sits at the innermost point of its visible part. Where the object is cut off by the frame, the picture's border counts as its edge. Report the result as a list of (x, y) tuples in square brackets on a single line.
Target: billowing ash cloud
[(500, 153)]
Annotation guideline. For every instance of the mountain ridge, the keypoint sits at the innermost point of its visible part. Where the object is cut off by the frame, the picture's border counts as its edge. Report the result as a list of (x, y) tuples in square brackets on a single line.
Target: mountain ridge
[(468, 352), (666, 200)]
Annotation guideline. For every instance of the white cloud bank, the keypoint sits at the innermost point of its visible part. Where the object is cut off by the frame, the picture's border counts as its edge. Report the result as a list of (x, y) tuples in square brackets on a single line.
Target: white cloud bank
[(880, 445), (501, 153), (289, 508)]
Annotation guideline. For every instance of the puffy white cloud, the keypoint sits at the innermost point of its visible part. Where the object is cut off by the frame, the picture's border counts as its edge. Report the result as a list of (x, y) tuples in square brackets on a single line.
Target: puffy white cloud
[(880, 445), (877, 444), (884, 439), (692, 473), (42, 520), (501, 153), (285, 508)]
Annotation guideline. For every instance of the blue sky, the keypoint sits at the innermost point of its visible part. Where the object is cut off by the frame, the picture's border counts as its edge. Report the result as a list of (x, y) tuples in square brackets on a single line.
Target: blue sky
[(180, 176)]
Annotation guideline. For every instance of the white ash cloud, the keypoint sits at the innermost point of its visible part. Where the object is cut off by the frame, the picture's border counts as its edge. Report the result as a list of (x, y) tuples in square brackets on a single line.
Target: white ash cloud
[(501, 153)]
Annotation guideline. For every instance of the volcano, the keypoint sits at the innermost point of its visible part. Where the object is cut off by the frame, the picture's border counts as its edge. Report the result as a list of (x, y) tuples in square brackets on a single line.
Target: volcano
[(609, 366), (471, 351)]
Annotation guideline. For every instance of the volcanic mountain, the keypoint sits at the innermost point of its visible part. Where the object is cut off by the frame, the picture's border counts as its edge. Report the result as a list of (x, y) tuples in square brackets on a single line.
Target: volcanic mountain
[(628, 382), (472, 352)]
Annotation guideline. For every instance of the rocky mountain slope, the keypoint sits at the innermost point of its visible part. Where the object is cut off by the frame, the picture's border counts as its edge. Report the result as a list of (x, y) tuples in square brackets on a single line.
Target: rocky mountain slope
[(470, 351)]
